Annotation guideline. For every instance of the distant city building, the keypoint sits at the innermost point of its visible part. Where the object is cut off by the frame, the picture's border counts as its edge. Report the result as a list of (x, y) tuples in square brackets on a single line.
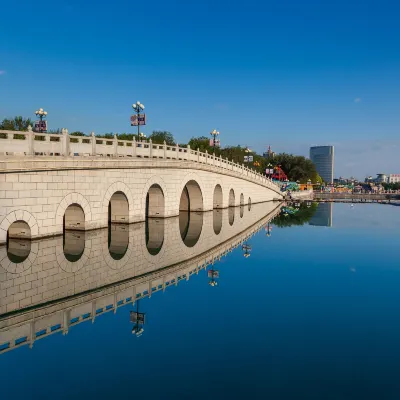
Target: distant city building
[(269, 154), (380, 178), (323, 159), (394, 178), (383, 178), (345, 181)]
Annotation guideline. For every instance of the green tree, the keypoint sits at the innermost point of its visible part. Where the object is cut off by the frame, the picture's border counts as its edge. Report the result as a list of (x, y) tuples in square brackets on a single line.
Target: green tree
[(202, 143), (158, 137), (77, 133), (297, 168), (16, 124)]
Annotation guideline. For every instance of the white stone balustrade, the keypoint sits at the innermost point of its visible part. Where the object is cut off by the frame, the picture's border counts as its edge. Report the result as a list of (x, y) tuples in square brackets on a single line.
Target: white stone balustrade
[(17, 144)]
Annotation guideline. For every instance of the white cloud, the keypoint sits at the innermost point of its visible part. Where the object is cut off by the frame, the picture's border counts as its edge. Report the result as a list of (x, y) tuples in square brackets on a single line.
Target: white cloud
[(357, 100)]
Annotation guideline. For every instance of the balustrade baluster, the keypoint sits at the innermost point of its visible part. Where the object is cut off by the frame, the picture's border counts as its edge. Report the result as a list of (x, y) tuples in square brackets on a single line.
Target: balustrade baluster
[(93, 138)]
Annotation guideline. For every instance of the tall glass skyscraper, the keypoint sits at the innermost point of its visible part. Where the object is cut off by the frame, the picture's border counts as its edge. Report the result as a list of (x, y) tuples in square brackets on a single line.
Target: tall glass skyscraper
[(323, 159)]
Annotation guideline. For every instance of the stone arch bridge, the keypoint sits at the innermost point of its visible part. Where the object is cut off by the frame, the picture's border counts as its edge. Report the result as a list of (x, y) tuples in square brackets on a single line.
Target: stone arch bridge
[(49, 183)]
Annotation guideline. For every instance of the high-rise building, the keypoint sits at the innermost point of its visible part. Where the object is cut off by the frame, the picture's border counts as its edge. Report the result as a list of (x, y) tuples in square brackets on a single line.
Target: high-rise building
[(323, 159)]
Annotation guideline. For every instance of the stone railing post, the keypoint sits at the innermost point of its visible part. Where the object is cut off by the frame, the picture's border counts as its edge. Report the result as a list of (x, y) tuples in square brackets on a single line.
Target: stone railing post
[(177, 152), (134, 147), (198, 155), (188, 152), (150, 148), (206, 157), (165, 149), (115, 144), (214, 158), (65, 150), (93, 144), (31, 141)]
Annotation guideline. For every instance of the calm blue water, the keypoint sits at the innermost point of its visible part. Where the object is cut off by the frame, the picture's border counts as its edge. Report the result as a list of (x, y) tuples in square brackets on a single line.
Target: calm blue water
[(313, 313)]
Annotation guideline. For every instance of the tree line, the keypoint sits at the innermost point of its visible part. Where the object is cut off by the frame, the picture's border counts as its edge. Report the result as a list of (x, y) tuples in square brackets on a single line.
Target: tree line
[(297, 168)]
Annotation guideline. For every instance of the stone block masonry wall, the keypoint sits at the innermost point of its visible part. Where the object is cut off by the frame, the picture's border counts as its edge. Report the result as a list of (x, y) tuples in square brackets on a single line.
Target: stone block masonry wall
[(39, 190)]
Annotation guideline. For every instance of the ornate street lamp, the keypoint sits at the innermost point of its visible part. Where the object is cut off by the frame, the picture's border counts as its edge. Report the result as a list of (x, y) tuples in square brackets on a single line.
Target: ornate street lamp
[(141, 137), (41, 114), (214, 133), (247, 158), (138, 107)]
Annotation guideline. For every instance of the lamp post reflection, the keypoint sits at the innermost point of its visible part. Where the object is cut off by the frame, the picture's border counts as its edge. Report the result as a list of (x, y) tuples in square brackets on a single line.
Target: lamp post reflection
[(138, 319), (213, 274), (268, 229), (246, 247)]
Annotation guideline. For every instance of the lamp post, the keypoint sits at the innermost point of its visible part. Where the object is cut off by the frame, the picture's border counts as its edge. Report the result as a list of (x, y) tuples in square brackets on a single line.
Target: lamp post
[(247, 151), (270, 170), (214, 133), (138, 107), (141, 136), (41, 114)]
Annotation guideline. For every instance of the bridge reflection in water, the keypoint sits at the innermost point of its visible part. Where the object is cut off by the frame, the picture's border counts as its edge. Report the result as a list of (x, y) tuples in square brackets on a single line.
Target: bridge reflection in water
[(58, 282)]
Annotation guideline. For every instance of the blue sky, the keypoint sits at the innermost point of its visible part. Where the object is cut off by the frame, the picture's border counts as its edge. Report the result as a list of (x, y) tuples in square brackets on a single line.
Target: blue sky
[(286, 73)]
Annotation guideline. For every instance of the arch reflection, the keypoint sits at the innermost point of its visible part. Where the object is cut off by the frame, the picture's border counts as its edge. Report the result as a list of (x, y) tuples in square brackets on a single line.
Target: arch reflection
[(118, 240), (154, 231), (217, 221), (73, 244), (190, 226)]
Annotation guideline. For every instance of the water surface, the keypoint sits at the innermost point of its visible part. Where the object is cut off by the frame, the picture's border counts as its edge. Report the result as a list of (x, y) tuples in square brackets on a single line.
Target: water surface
[(311, 312)]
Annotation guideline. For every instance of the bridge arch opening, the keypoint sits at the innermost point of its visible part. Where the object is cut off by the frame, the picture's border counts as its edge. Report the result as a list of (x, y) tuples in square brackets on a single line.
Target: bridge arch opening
[(18, 241), (118, 208), (217, 199), (191, 197), (118, 241), (155, 202), (73, 244), (154, 235), (74, 218), (217, 221), (249, 204), (241, 211), (190, 226), (241, 199), (231, 198), (231, 215)]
